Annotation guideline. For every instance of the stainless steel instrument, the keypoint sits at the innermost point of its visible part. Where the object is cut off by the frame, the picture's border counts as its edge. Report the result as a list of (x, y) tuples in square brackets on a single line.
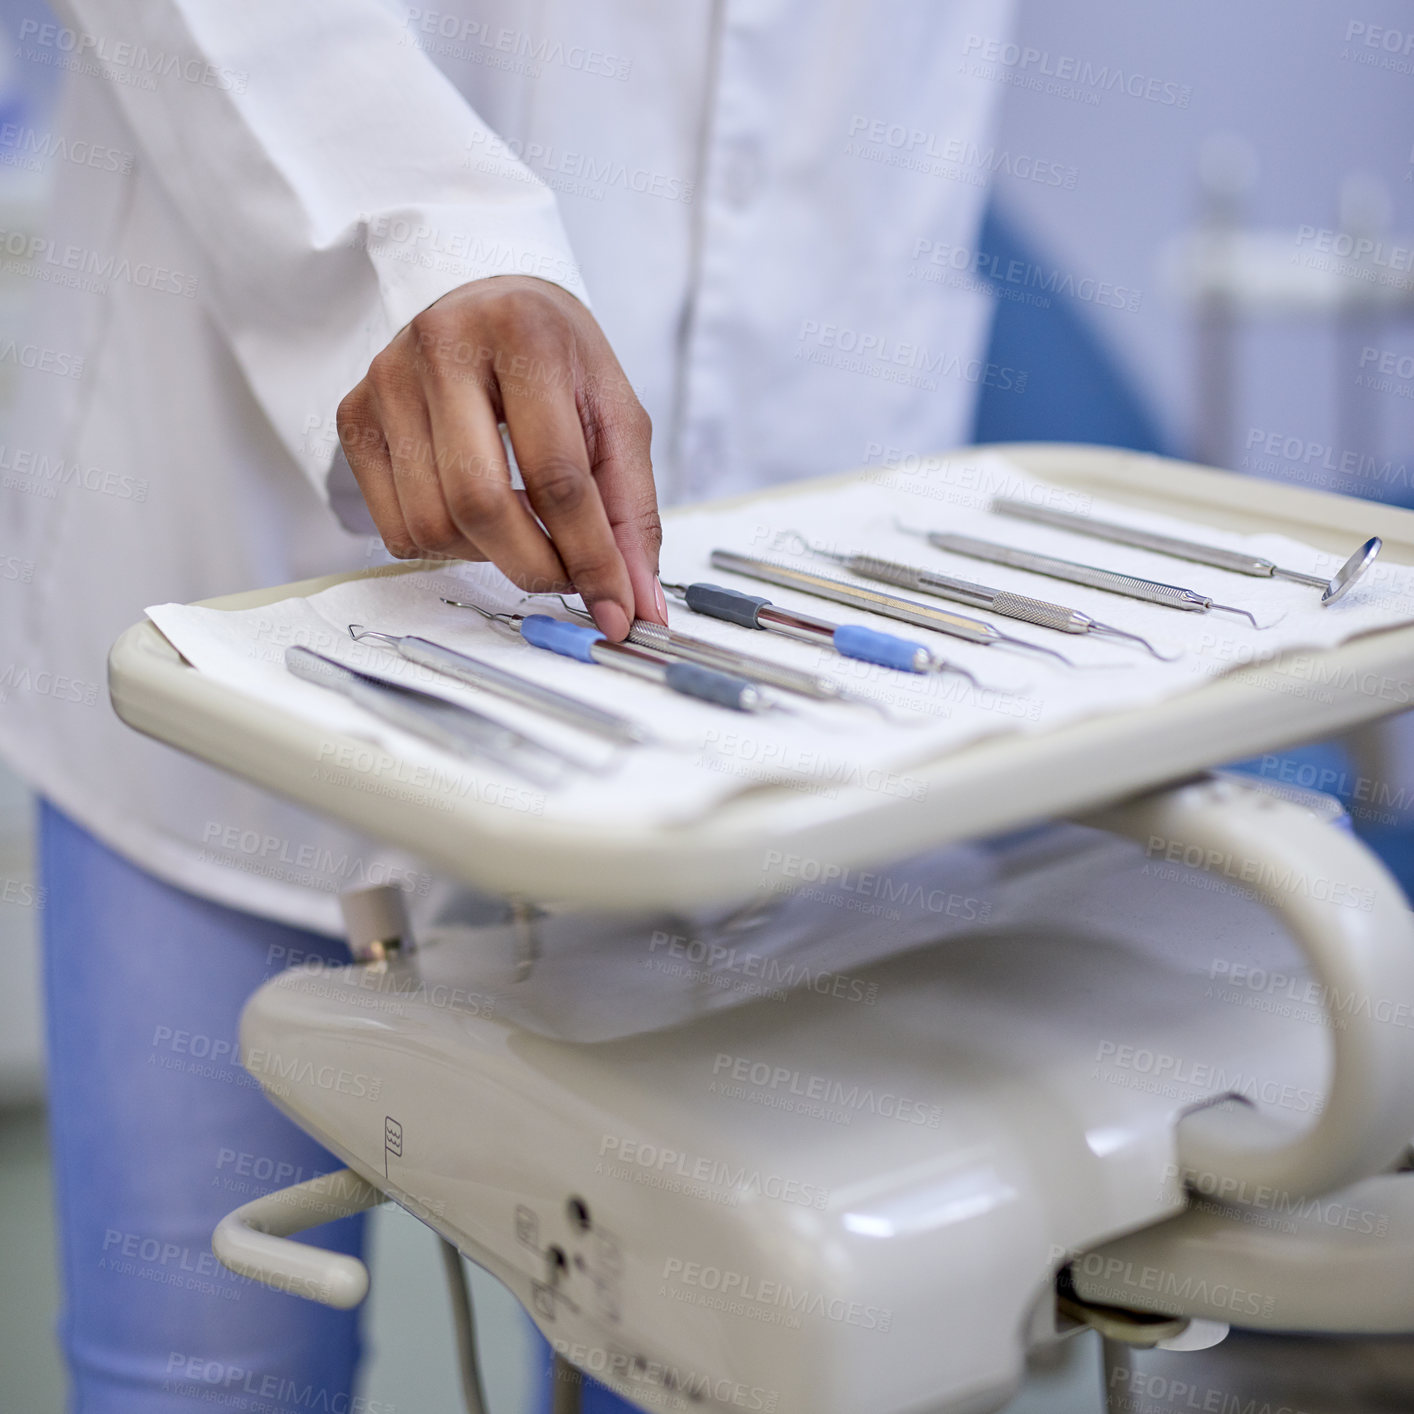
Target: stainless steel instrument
[(1236, 560)]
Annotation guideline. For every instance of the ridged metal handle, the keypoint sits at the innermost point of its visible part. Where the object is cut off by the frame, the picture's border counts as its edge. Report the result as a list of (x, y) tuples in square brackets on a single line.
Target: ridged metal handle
[(1149, 590), (1110, 530), (1039, 612)]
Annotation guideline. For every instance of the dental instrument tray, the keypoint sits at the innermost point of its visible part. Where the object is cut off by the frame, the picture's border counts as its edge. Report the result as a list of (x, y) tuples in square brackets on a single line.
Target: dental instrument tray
[(962, 740)]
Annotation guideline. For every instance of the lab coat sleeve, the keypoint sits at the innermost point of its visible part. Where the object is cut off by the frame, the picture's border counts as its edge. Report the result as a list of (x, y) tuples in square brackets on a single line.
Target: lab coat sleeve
[(335, 181)]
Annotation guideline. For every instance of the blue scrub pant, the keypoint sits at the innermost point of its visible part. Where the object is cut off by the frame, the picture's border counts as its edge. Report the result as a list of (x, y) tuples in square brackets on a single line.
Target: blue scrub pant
[(157, 1133)]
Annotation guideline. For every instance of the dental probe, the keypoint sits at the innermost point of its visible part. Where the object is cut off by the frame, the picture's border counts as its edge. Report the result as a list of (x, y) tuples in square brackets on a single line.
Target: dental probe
[(1151, 591), (1236, 560), (461, 730), (730, 660), (1040, 612), (426, 654), (588, 645), (867, 645), (891, 606)]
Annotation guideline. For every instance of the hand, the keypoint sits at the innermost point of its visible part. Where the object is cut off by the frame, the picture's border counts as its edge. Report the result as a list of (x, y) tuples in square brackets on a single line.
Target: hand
[(420, 433)]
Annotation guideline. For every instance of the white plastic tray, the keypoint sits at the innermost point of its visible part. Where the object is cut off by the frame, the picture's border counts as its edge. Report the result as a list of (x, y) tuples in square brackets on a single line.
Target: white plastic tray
[(997, 784)]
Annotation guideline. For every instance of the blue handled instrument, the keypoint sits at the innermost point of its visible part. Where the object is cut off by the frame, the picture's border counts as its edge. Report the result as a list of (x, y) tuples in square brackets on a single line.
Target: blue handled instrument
[(588, 645), (867, 645)]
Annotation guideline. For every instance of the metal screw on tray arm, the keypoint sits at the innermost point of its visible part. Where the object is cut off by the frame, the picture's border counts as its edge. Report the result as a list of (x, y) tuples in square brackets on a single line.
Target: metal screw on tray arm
[(1040, 612), (588, 645), (1362, 959), (1151, 591), (1237, 561), (865, 645), (890, 606), (464, 668)]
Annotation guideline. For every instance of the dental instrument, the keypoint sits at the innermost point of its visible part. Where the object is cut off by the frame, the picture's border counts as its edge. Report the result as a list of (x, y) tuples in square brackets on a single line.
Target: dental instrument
[(731, 660), (1040, 612), (611, 725), (890, 606), (1151, 591), (866, 645), (588, 645), (460, 730), (1236, 560)]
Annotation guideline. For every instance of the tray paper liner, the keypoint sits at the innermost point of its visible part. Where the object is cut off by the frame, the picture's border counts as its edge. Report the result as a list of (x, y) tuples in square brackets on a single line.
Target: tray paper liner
[(825, 752)]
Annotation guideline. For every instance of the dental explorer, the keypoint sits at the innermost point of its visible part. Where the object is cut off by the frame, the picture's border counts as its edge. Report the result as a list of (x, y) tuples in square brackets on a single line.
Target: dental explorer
[(1040, 612), (730, 660), (461, 730), (867, 645), (891, 606), (1151, 591), (589, 645), (1236, 560), (527, 693)]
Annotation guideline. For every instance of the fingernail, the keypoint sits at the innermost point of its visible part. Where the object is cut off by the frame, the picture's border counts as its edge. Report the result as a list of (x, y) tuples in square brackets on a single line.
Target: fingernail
[(612, 620), (658, 598)]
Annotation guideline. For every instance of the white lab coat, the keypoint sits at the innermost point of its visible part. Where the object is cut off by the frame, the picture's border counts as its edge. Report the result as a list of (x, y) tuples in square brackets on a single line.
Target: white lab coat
[(738, 187)]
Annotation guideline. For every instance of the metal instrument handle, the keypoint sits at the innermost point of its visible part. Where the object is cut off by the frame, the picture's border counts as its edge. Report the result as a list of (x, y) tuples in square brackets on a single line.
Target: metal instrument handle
[(730, 660), (1149, 590), (961, 591), (1011, 606), (857, 596), (515, 688), (1194, 550)]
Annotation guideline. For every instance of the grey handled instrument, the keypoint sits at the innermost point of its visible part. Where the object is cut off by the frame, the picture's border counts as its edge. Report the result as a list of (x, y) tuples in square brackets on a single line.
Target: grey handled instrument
[(1236, 560), (1151, 591), (890, 606), (460, 730), (1040, 612), (514, 688), (587, 644), (803, 683)]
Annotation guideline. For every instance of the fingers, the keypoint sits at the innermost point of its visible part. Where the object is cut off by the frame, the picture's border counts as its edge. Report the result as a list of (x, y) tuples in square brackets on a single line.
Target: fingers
[(407, 430), (543, 418), (620, 437), (361, 436), (476, 487)]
